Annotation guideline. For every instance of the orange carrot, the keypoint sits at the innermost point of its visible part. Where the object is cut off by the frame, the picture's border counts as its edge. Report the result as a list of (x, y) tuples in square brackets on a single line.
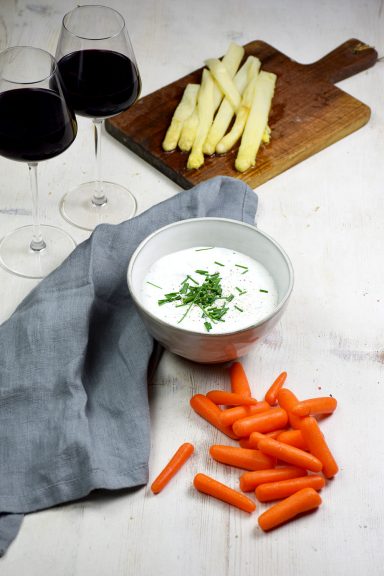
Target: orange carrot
[(273, 433), (311, 406), (222, 492), (250, 480), (176, 462), (241, 457), (290, 454), (264, 422), (229, 416), (272, 392), (288, 401), (239, 380), (293, 438), (283, 488), (254, 438), (230, 398), (210, 412), (317, 445), (246, 443), (302, 501)]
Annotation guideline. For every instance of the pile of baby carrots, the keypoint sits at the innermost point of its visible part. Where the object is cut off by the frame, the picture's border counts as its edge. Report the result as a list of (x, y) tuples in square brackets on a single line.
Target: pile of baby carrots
[(281, 448)]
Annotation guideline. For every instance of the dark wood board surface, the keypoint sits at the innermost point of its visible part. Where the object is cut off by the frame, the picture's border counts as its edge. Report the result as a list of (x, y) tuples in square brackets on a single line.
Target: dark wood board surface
[(308, 114)]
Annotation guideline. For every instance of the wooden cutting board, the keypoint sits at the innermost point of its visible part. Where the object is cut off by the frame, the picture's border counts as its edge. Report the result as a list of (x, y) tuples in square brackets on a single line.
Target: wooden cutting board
[(308, 113)]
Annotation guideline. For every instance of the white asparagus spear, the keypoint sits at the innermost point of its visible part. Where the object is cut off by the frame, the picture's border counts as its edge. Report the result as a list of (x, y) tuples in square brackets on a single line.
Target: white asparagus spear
[(257, 121)]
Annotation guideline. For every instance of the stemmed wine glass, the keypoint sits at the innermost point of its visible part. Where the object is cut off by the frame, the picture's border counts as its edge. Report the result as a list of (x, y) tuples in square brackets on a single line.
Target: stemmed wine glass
[(101, 78), (35, 124)]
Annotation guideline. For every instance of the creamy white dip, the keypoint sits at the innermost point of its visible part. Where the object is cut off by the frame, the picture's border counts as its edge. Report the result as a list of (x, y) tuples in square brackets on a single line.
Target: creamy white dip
[(249, 293)]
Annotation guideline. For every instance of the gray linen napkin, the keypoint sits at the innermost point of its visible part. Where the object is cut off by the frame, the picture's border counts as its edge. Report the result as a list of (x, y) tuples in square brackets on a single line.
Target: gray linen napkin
[(73, 366)]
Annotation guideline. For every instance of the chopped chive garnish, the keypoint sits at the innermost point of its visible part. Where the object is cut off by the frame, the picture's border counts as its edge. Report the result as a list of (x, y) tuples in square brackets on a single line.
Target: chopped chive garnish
[(192, 279), (155, 285), (184, 315), (266, 291), (240, 266), (200, 249), (202, 295), (170, 297), (245, 271), (207, 295)]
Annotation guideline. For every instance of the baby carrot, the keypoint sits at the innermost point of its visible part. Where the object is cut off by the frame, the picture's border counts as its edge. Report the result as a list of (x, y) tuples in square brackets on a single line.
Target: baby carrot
[(250, 480), (272, 392), (212, 487), (230, 398), (246, 443), (176, 462), (241, 457), (264, 422), (254, 438), (288, 401), (229, 416), (317, 445), (239, 380), (311, 406), (293, 438), (290, 454), (302, 501), (283, 488), (210, 412)]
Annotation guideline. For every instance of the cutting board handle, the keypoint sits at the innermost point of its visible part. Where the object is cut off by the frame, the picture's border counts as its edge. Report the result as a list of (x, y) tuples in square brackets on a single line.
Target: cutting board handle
[(351, 57)]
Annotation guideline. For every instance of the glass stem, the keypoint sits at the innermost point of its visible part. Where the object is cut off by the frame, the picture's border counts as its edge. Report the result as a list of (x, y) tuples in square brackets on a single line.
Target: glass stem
[(37, 242), (98, 198)]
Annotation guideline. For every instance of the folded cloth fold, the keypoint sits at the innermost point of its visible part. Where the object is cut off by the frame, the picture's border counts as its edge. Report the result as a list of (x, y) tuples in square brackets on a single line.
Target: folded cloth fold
[(73, 366)]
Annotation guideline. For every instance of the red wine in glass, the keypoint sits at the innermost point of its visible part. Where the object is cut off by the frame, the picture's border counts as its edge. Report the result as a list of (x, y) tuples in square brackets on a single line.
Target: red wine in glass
[(36, 124), (101, 79), (33, 125), (81, 73)]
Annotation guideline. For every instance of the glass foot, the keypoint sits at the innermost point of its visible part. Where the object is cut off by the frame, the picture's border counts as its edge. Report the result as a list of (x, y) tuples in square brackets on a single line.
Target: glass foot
[(17, 257), (78, 209)]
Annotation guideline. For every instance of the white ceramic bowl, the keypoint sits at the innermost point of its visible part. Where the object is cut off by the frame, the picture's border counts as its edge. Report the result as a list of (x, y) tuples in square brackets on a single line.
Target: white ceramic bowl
[(208, 347)]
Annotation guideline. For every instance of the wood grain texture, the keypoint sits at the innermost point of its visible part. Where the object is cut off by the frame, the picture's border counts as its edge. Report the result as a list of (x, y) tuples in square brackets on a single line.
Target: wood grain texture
[(308, 114)]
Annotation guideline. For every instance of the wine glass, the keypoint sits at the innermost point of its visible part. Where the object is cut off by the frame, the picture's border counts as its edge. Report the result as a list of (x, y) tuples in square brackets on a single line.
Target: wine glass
[(35, 124), (101, 78)]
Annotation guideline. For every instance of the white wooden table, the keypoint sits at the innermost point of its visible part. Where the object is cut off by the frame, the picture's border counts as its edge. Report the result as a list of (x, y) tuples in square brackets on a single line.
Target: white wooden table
[(328, 213)]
